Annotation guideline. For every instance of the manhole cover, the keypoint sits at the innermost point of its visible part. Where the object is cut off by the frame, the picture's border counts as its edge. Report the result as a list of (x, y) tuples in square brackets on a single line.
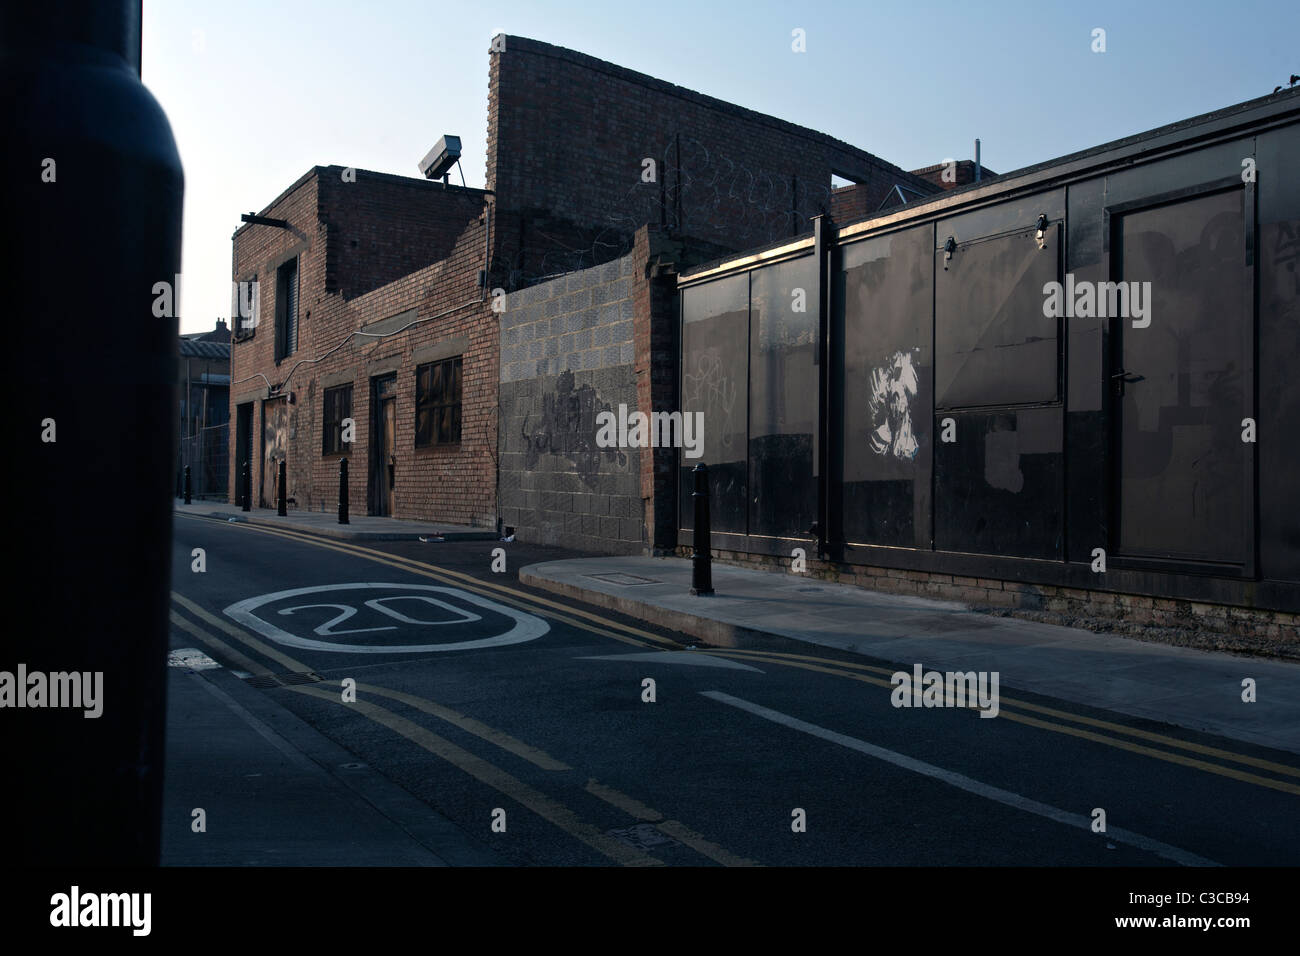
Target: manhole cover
[(618, 577), (811, 589), (643, 836)]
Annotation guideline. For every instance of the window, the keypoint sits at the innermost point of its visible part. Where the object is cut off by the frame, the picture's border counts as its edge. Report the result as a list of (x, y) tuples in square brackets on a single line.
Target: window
[(244, 307), (993, 343), (286, 309), (338, 406), (437, 403)]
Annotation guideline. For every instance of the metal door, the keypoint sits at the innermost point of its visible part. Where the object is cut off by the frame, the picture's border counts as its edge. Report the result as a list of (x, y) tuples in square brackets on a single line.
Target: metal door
[(1182, 381), (383, 449)]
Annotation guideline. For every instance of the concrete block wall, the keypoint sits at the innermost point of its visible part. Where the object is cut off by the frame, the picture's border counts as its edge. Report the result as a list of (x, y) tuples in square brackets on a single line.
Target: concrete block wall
[(567, 353)]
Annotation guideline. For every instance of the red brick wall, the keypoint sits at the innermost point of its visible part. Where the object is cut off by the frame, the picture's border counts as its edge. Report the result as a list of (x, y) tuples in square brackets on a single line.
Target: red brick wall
[(382, 227), (417, 246), (568, 133), (962, 175), (255, 250)]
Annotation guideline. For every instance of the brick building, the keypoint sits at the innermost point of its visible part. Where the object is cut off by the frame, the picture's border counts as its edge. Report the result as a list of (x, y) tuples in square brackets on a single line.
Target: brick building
[(369, 298), (342, 262)]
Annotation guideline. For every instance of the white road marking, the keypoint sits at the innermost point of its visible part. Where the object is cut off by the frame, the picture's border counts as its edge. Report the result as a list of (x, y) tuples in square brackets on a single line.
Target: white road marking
[(963, 782), (527, 627), (675, 657)]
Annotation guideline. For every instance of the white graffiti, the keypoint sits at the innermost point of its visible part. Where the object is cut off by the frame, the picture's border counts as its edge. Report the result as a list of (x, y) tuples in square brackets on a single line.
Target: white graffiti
[(893, 388)]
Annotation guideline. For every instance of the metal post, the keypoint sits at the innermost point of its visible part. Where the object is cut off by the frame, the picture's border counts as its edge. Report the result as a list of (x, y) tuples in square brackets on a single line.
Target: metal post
[(702, 556), (248, 485), (282, 504), (343, 491), (187, 484), (86, 143)]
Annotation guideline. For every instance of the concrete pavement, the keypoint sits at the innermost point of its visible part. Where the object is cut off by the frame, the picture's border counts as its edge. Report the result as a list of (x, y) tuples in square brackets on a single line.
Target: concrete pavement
[(274, 792), (1199, 690), (358, 528)]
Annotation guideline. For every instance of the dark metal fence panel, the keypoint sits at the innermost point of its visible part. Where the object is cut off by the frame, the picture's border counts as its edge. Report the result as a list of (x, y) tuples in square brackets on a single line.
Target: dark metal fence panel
[(207, 453), (715, 382), (971, 427), (783, 389), (881, 316)]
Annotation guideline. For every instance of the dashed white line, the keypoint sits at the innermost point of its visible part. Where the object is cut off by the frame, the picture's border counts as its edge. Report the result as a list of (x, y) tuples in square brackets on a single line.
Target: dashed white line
[(963, 782)]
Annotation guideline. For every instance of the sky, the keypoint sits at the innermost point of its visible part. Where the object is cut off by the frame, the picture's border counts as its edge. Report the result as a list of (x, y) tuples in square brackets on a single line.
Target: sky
[(259, 91)]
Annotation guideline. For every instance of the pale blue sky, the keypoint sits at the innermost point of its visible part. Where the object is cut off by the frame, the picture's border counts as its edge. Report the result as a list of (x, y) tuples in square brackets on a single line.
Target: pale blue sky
[(259, 92)]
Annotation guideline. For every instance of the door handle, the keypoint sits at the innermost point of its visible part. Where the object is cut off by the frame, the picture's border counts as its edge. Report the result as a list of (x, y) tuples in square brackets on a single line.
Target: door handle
[(1124, 377)]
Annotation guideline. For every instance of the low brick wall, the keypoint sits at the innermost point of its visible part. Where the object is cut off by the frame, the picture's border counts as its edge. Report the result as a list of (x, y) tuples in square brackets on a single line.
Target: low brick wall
[(1243, 629)]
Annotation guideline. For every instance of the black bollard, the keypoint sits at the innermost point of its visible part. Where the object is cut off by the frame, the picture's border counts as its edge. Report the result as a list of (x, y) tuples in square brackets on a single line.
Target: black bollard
[(187, 484), (701, 557), (343, 491), (248, 486), (282, 503)]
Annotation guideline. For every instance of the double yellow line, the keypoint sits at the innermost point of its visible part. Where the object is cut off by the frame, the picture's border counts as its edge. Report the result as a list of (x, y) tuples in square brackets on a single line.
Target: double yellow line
[(480, 769), (1062, 722)]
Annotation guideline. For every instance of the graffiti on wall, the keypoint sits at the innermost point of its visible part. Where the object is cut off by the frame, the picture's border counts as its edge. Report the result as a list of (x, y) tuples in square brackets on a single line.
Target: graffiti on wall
[(275, 447), (889, 406), (709, 389), (567, 428)]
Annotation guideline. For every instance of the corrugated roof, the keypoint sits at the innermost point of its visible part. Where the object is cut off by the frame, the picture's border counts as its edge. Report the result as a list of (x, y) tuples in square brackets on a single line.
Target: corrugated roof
[(192, 348)]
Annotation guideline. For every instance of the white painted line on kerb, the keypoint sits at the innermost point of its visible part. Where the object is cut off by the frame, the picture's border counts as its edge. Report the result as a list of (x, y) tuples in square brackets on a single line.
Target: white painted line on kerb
[(962, 782)]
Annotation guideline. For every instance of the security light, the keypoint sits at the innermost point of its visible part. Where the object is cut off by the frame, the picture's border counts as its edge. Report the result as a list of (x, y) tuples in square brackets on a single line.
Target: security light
[(444, 155)]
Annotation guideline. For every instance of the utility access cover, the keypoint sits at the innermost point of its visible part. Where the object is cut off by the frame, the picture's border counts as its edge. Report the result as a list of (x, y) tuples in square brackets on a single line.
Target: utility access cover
[(394, 619), (618, 577)]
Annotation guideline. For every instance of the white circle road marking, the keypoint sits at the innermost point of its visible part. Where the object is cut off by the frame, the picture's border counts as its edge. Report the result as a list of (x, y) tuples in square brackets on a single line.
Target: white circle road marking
[(527, 627)]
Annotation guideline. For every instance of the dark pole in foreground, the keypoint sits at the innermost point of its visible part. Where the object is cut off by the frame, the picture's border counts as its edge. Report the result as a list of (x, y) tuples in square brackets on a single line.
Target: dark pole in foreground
[(248, 486), (701, 556), (85, 144), (187, 484), (343, 491), (281, 497)]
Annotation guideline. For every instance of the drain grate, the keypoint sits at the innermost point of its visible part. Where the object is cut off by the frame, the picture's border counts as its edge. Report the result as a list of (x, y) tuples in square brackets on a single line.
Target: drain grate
[(283, 680), (299, 678), (642, 836)]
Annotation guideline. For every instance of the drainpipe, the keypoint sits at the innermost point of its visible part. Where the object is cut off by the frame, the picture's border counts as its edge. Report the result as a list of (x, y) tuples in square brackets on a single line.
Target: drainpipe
[(823, 228)]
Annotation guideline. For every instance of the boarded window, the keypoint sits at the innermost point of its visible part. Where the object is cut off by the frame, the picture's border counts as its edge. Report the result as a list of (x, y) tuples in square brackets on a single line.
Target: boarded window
[(338, 406), (438, 403), (993, 344)]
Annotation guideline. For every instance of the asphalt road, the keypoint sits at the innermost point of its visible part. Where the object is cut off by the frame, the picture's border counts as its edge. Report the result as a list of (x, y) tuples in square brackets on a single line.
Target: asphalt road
[(476, 695)]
